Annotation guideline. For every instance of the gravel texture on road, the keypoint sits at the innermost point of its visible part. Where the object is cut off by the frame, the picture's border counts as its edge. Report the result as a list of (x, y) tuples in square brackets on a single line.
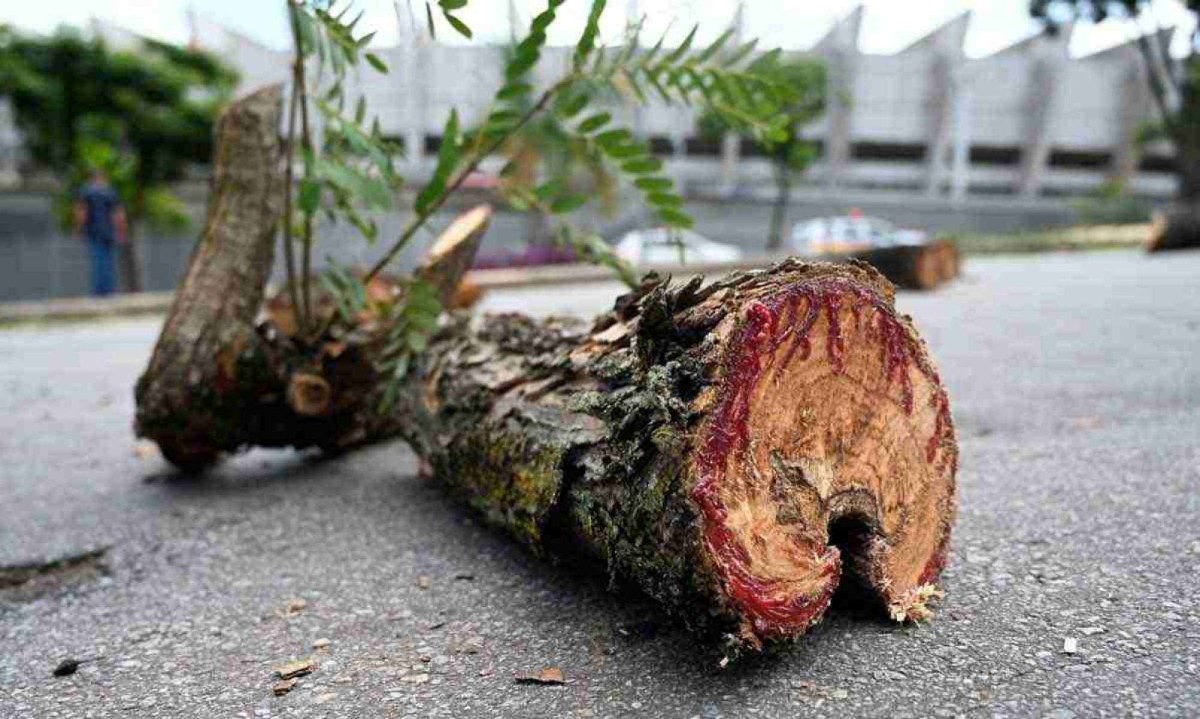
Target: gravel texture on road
[(1072, 589)]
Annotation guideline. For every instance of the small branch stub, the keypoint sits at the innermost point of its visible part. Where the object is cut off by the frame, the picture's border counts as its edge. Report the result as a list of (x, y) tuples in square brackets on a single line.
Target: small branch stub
[(450, 257), (309, 395)]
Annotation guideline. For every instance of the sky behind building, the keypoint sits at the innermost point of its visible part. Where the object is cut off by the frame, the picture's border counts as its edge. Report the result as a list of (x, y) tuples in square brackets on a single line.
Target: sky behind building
[(888, 25)]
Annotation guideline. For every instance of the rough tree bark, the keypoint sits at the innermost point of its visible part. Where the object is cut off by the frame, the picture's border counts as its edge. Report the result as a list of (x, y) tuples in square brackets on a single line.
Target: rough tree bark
[(732, 449), (707, 442), (1180, 229), (186, 399), (221, 378)]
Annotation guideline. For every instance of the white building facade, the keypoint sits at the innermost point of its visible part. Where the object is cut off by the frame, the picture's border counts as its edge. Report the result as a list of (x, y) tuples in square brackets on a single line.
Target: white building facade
[(1025, 124)]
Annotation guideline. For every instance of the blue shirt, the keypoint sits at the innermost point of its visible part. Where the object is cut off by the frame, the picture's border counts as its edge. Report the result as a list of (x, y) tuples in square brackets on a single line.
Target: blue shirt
[(100, 201)]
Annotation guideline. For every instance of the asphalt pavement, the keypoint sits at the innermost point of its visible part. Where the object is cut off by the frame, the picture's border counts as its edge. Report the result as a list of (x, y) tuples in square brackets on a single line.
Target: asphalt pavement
[(1072, 588)]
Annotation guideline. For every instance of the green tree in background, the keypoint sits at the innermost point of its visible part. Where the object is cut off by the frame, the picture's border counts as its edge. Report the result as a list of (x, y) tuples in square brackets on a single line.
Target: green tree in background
[(791, 154), (143, 115), (1175, 86), (545, 150)]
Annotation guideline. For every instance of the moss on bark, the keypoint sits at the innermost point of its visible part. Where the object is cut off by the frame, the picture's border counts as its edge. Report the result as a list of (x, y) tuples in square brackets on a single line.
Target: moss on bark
[(574, 438)]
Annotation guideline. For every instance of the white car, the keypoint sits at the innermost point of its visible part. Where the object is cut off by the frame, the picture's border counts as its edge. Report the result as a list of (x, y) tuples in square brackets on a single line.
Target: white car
[(670, 246), (850, 233)]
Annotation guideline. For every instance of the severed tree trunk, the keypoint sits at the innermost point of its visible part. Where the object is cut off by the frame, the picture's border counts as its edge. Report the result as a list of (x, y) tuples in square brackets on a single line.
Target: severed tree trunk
[(1179, 229), (712, 445), (732, 449), (915, 267), (912, 267)]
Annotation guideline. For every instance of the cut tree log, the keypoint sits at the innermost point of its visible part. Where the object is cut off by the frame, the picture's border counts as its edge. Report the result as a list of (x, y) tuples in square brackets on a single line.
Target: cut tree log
[(1177, 229), (733, 450), (950, 259), (915, 267)]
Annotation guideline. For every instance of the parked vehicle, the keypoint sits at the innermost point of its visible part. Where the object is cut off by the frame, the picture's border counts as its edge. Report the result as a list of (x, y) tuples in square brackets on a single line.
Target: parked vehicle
[(851, 233), (665, 246), (909, 258)]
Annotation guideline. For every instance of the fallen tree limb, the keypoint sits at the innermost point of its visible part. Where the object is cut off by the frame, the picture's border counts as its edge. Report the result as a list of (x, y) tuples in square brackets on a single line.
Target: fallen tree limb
[(707, 442), (1177, 229), (220, 379), (913, 267), (185, 398), (733, 450)]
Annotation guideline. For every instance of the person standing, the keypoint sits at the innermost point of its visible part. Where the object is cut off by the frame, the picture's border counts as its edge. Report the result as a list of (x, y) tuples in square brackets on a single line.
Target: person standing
[(100, 219)]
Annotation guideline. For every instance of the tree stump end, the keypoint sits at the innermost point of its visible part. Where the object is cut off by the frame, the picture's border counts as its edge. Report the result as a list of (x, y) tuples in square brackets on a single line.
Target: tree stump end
[(828, 412)]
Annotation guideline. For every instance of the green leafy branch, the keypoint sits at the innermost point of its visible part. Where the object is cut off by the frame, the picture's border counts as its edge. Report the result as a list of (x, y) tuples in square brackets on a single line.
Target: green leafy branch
[(459, 156), (711, 76), (351, 168), (447, 9), (410, 323), (719, 79)]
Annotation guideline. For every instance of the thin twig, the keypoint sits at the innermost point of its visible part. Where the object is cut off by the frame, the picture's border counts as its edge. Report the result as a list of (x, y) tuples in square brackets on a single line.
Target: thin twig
[(289, 256), (301, 89), (1154, 79), (419, 221)]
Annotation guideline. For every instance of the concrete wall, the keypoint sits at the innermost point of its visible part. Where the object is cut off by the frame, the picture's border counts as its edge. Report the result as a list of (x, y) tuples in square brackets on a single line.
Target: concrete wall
[(38, 260)]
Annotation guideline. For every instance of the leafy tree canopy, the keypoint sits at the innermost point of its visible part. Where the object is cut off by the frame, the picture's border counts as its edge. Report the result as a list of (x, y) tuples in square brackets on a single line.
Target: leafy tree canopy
[(789, 151), (578, 111), (1171, 82), (1174, 84), (805, 78), (143, 114), (1096, 10)]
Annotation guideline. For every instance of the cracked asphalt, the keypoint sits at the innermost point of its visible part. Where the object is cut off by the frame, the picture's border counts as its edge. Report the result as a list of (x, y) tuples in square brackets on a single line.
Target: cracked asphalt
[(1075, 384)]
